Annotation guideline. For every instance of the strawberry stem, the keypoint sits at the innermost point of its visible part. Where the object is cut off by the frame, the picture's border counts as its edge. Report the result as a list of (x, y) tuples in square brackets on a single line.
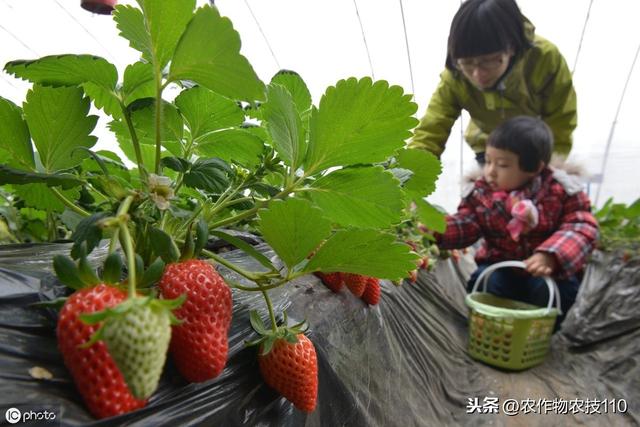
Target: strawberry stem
[(272, 316), (127, 243)]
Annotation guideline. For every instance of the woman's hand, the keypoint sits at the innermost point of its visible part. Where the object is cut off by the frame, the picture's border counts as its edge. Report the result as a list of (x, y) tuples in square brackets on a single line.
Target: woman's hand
[(541, 264)]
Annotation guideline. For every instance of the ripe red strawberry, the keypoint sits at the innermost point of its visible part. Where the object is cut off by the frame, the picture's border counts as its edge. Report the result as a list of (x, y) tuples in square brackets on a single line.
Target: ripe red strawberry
[(292, 370), (199, 345), (356, 283), (94, 371), (333, 281), (371, 293)]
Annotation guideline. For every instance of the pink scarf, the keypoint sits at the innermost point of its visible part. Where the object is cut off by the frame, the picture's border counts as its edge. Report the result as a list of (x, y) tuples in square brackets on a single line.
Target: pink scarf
[(524, 214)]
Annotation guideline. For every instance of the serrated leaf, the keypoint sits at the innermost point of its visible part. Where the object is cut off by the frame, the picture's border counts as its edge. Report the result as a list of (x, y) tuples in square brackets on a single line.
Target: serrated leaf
[(164, 246), (88, 233), (138, 82), (209, 54), (284, 125), (144, 121), (130, 22), (233, 146), (41, 197), (359, 121), (175, 163), (210, 175), (361, 197), (366, 252), (431, 217), (165, 22), (245, 247), (293, 228), (152, 274), (205, 111), (10, 175), (112, 268), (296, 87), (67, 272), (58, 122), (103, 98), (66, 70), (425, 168), (14, 136)]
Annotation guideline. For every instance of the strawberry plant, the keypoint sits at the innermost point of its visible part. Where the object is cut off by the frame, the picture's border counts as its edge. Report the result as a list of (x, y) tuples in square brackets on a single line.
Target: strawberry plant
[(324, 185), (619, 227)]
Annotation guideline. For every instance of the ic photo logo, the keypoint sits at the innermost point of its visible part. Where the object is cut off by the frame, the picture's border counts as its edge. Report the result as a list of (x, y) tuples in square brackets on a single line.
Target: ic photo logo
[(13, 415)]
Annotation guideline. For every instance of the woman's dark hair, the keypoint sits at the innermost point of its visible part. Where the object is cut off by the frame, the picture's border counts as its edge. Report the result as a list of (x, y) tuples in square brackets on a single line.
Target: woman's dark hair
[(481, 27), (528, 137)]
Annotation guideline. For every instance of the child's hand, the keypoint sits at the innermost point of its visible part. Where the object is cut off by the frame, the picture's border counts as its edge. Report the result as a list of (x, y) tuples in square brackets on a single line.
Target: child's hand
[(541, 264)]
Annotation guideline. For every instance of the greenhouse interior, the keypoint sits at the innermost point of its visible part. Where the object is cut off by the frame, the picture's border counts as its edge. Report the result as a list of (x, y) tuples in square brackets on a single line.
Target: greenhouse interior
[(299, 213)]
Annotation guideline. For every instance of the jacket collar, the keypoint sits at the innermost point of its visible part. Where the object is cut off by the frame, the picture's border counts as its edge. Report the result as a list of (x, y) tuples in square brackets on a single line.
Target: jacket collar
[(534, 190)]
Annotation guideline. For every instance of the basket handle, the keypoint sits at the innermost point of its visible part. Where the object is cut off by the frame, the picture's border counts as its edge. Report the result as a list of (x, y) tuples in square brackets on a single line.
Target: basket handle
[(554, 293)]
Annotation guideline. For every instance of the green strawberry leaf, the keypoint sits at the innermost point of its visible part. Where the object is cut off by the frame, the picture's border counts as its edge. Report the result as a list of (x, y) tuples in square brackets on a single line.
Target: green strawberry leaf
[(358, 121), (175, 163), (138, 82), (130, 22), (209, 54), (284, 125), (366, 252), (205, 111), (425, 168), (233, 145), (103, 98), (245, 247), (296, 87), (58, 122), (87, 235), (293, 228), (41, 197), (113, 266), (211, 175), (165, 22), (14, 137), (431, 217), (66, 70), (361, 197), (9, 175), (152, 274), (67, 271), (164, 246)]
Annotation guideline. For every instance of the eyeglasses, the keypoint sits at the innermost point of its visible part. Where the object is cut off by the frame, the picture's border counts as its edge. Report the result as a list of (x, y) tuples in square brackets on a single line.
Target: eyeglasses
[(468, 65)]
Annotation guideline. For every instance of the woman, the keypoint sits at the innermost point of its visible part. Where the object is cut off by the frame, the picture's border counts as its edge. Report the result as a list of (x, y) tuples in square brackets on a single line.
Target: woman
[(497, 68)]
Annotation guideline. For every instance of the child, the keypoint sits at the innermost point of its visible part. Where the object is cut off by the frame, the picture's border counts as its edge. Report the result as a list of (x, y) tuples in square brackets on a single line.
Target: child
[(525, 211)]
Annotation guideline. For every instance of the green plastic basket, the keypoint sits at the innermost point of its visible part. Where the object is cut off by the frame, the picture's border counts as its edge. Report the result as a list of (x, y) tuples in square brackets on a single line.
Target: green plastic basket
[(506, 333)]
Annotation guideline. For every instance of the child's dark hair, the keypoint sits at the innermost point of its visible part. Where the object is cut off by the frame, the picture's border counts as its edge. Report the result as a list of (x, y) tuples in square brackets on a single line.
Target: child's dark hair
[(528, 137), (481, 27)]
